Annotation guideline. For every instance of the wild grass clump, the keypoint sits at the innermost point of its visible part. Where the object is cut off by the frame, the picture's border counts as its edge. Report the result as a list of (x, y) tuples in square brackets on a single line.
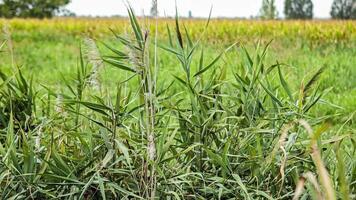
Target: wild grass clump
[(214, 132)]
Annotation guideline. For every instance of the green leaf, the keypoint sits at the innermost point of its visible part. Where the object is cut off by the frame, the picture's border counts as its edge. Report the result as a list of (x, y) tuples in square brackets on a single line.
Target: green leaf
[(240, 183), (61, 165), (123, 191), (170, 50), (213, 62), (209, 66), (249, 59), (87, 185), (135, 27), (179, 35), (101, 186), (118, 99), (122, 147), (342, 174), (180, 80), (168, 143), (99, 108), (188, 37), (209, 18), (217, 159), (284, 84), (186, 150), (274, 98), (119, 53), (118, 64), (169, 35), (108, 157), (264, 194), (2, 45), (201, 60)]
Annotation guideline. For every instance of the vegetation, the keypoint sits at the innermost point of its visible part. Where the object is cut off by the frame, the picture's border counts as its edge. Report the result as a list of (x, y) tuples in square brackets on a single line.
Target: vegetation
[(31, 8), (154, 9), (343, 9), (268, 10), (298, 9), (220, 30), (169, 114)]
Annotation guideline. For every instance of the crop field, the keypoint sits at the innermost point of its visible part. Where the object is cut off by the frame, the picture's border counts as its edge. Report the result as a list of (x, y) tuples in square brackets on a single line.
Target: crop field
[(177, 109)]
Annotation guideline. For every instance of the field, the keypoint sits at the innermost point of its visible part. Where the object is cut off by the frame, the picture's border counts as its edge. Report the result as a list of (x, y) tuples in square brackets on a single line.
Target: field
[(108, 109)]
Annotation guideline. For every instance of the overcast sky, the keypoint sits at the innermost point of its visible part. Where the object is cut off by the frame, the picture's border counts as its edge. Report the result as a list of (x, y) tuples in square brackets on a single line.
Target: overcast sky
[(199, 8)]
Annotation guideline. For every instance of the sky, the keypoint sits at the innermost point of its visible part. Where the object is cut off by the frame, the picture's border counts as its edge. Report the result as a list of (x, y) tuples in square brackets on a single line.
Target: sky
[(199, 8)]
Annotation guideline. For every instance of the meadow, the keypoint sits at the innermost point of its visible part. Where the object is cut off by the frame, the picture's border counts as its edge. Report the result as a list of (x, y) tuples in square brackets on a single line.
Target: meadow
[(131, 109)]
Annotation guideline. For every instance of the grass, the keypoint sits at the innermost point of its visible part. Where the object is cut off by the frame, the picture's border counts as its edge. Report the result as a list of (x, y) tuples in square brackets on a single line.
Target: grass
[(58, 54), (125, 117)]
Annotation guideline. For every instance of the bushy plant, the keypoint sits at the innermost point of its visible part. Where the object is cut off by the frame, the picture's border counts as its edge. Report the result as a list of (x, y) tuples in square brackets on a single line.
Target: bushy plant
[(204, 135)]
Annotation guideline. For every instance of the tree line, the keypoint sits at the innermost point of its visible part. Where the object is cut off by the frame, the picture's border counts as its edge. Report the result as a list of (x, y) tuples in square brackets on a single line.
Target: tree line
[(293, 9), (33, 8), (303, 9)]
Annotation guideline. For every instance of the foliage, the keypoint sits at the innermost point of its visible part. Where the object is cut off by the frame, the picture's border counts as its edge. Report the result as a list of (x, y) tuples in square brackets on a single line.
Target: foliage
[(191, 133), (268, 10), (31, 8), (220, 30), (298, 9), (343, 9), (154, 8), (17, 99)]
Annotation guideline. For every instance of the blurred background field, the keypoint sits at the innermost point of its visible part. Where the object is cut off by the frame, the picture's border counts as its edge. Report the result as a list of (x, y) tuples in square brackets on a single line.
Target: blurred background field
[(49, 48)]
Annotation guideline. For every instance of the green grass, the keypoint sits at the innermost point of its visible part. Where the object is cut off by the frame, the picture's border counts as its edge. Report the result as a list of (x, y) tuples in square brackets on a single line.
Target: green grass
[(44, 55), (239, 127)]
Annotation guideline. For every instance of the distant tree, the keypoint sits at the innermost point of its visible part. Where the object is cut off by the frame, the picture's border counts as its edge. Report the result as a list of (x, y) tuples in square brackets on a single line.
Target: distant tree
[(190, 14), (343, 9), (268, 10), (31, 8), (154, 8), (65, 13), (298, 9)]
